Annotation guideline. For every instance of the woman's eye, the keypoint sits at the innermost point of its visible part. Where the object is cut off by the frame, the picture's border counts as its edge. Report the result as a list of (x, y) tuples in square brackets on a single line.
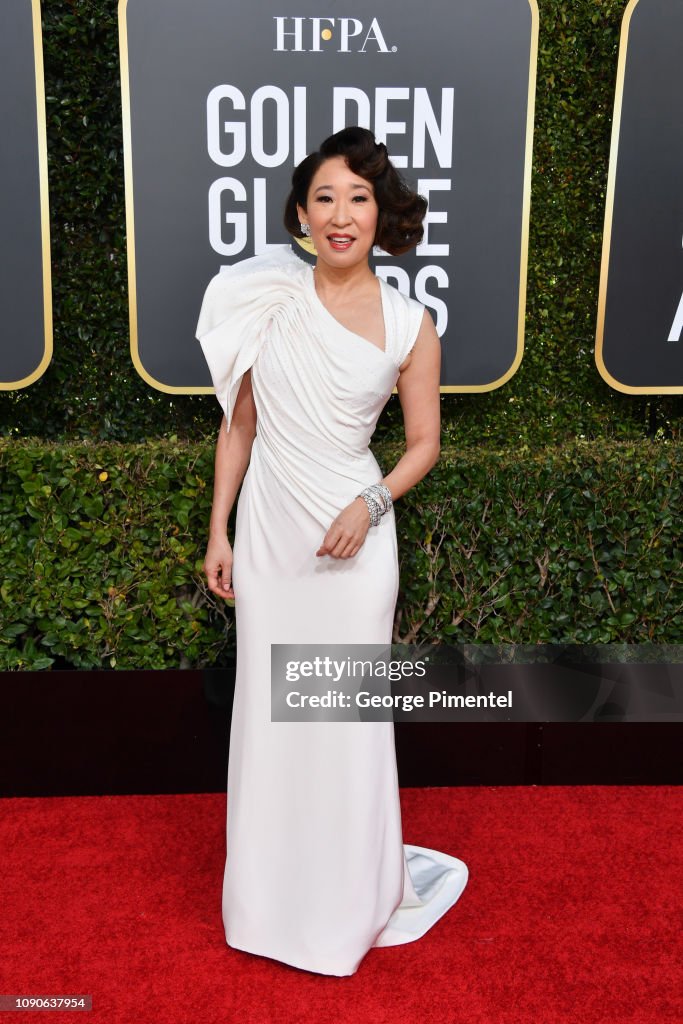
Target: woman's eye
[(360, 199), (324, 199)]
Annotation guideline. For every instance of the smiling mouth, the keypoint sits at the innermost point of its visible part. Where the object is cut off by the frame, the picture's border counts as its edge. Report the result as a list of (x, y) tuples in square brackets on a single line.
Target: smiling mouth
[(340, 241)]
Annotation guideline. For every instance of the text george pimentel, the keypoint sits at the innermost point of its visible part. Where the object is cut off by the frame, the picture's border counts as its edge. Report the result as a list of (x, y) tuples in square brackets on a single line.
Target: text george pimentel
[(322, 667), (406, 702)]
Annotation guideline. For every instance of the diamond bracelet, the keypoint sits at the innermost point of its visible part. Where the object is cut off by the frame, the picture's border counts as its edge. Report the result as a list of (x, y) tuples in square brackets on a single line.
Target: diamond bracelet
[(379, 501)]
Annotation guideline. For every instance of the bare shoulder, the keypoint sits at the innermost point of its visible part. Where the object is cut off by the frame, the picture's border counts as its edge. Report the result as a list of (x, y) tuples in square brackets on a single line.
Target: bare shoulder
[(426, 352)]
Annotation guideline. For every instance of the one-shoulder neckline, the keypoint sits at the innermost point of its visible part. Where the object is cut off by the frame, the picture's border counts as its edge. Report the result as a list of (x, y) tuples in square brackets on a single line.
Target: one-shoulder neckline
[(343, 327)]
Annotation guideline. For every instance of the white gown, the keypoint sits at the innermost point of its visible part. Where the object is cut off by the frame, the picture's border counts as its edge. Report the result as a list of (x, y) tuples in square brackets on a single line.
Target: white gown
[(316, 870)]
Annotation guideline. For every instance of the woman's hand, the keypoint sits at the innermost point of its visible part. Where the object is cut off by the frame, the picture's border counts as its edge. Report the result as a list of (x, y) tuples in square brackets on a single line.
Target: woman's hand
[(347, 533), (218, 566)]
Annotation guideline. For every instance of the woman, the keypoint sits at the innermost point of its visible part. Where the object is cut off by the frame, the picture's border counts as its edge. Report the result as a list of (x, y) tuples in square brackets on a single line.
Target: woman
[(303, 360)]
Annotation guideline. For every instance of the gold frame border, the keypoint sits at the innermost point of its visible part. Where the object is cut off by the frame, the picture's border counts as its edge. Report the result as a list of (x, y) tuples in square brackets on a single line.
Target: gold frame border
[(130, 226), (607, 227), (130, 220), (44, 207), (526, 209)]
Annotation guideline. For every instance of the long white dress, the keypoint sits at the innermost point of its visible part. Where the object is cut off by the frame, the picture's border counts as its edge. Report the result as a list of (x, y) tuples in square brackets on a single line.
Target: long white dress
[(316, 870)]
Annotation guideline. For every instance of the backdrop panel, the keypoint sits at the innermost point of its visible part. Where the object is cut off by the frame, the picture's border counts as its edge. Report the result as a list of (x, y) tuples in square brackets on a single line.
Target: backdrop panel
[(25, 289), (639, 342), (222, 100)]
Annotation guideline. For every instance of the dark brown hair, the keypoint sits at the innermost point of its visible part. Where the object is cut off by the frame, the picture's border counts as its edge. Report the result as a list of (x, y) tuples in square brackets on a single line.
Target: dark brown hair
[(401, 211)]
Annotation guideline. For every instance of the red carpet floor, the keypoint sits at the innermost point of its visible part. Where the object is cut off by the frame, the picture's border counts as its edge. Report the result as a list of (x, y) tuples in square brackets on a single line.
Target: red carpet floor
[(572, 913)]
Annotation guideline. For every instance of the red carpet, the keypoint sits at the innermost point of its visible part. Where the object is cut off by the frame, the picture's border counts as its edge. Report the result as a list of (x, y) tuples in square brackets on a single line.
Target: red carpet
[(572, 913)]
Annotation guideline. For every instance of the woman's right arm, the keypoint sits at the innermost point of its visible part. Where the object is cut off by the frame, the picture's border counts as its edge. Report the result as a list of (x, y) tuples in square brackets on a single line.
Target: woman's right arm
[(233, 451)]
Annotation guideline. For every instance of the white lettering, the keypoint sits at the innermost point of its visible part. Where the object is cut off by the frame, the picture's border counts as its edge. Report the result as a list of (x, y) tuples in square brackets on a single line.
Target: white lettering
[(270, 92), (281, 32), (375, 33), (261, 244), (424, 187), (235, 128), (316, 33), (441, 136), (299, 123), (384, 127), (347, 32), (439, 275), (677, 325), (349, 28), (239, 220), (396, 274), (342, 95), (277, 135)]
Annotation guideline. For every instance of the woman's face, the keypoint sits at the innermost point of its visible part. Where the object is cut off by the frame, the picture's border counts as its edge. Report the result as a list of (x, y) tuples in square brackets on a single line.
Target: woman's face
[(342, 212)]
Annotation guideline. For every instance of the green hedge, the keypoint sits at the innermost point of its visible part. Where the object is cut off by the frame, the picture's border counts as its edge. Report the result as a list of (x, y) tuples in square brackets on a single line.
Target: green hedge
[(103, 543), (91, 389)]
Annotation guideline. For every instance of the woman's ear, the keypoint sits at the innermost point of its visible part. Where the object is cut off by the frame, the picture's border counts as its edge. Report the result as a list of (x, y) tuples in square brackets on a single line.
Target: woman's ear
[(301, 214)]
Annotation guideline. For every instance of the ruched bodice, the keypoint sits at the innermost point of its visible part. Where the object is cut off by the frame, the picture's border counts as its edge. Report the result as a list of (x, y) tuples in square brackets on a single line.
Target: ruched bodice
[(331, 384)]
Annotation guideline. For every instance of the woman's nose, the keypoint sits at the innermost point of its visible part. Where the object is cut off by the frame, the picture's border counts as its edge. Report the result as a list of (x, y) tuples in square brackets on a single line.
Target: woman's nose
[(342, 214)]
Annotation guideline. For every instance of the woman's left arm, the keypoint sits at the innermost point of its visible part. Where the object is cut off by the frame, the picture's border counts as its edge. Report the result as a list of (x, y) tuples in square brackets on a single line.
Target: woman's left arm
[(418, 392)]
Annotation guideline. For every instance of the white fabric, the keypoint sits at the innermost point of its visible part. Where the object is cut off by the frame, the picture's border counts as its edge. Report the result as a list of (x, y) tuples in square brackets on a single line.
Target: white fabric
[(316, 871)]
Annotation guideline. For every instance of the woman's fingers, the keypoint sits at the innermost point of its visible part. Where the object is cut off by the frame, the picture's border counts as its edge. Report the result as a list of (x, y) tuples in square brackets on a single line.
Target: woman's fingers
[(219, 579), (344, 546), (347, 533)]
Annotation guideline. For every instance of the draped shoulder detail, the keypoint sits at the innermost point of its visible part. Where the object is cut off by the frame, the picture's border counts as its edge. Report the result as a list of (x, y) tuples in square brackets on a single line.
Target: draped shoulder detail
[(407, 316), (239, 305)]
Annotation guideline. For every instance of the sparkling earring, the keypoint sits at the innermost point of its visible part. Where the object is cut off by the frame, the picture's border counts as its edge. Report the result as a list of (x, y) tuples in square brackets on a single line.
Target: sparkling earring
[(305, 230)]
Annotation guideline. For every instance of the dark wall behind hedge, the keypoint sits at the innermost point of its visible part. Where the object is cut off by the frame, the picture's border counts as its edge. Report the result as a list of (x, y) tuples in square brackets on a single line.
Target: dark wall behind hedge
[(91, 389)]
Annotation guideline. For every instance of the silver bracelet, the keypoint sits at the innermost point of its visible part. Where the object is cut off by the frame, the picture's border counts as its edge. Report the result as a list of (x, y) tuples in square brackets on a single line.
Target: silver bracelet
[(373, 507), (383, 494), (378, 499)]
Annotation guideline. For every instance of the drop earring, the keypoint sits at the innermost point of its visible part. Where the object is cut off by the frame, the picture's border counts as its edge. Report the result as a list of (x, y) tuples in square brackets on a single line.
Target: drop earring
[(305, 230)]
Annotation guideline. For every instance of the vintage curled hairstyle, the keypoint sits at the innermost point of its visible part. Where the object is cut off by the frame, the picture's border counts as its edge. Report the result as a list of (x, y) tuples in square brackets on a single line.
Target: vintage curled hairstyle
[(401, 211)]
